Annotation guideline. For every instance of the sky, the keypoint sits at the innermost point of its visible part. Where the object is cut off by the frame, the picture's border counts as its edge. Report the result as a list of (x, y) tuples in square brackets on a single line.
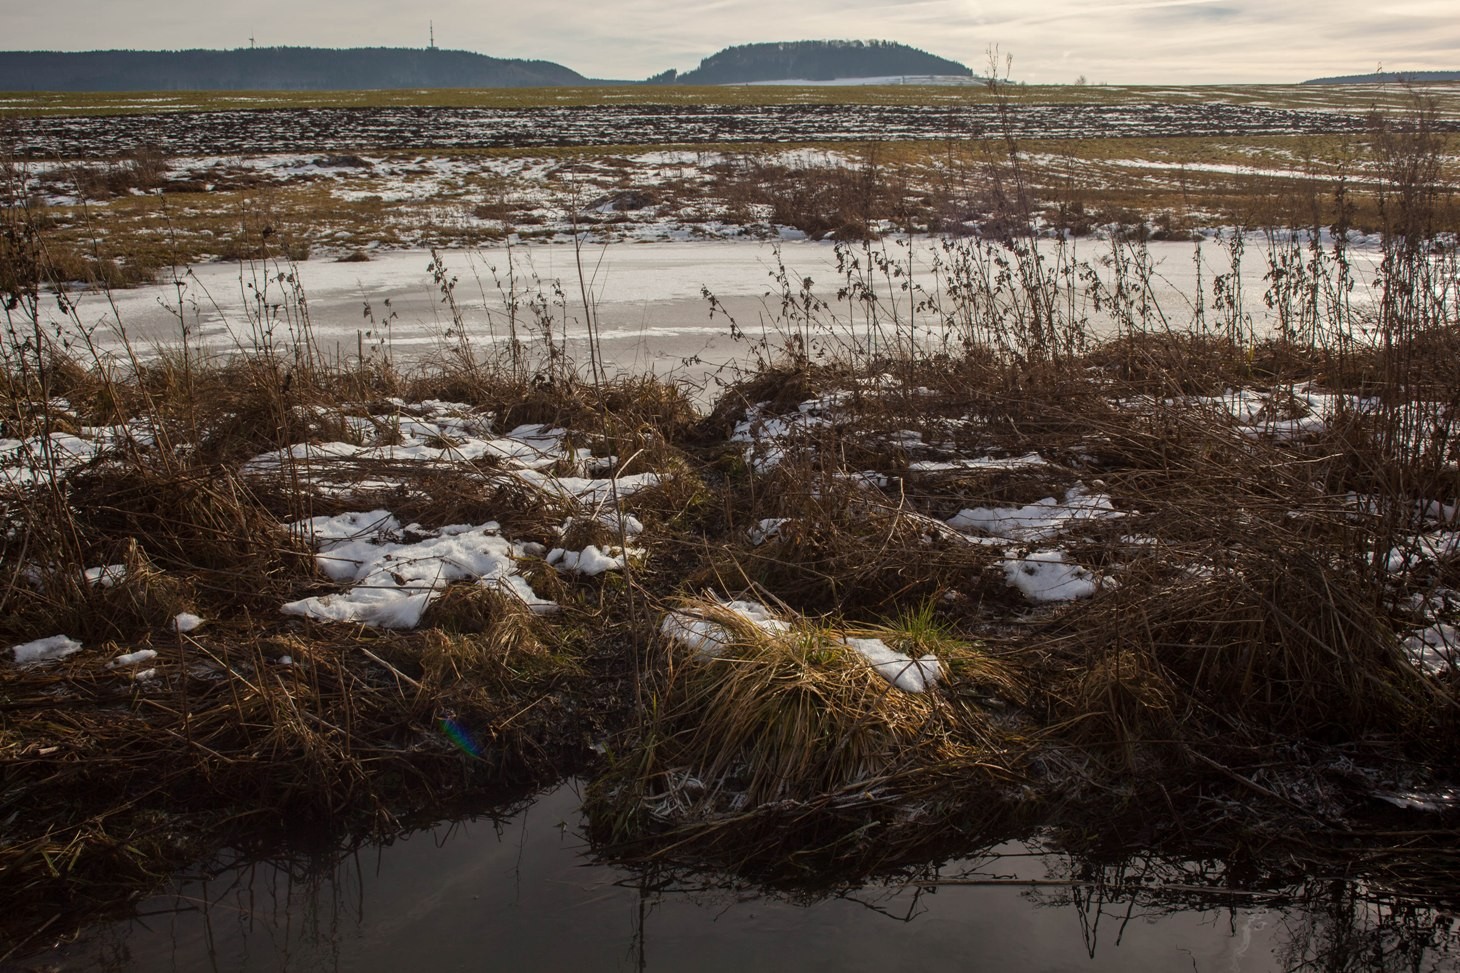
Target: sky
[(1050, 41)]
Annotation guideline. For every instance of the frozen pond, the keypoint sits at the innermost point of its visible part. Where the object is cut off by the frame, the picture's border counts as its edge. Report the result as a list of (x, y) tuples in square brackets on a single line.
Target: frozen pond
[(648, 299)]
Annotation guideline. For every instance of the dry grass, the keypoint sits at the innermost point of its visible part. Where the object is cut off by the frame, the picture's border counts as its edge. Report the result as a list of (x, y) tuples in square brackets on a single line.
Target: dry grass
[(740, 752)]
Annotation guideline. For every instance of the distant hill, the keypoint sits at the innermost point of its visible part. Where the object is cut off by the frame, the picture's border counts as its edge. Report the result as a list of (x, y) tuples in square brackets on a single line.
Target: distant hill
[(1390, 77), (813, 61), (272, 69)]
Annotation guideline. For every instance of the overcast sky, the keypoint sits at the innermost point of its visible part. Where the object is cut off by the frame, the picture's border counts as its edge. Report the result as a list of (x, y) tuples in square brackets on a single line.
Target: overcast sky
[(1116, 41)]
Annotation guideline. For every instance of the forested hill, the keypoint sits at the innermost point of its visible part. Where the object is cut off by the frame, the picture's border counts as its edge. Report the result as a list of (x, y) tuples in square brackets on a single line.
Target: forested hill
[(272, 69), (815, 61), (1390, 77)]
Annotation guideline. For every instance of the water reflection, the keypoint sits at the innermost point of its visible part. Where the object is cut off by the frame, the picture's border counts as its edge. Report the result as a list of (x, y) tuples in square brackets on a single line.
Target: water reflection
[(522, 892)]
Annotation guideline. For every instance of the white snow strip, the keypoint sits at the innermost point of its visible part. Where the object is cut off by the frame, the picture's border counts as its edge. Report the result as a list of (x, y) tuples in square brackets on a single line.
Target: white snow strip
[(977, 463), (46, 650), (1424, 547), (901, 670), (27, 461), (591, 491)]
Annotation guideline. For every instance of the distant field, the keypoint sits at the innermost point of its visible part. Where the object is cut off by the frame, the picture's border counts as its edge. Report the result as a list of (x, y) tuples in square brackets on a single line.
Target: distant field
[(126, 184), (1344, 98)]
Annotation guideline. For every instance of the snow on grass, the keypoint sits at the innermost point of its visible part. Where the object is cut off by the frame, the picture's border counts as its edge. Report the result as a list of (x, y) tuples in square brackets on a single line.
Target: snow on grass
[(767, 438), (1038, 521), (448, 435), (1434, 649), (1049, 576), (187, 622), (900, 670), (591, 561), (132, 658), (394, 571), (392, 579), (708, 639), (593, 491), (766, 529), (977, 463), (46, 650), (24, 462), (1422, 548), (105, 577)]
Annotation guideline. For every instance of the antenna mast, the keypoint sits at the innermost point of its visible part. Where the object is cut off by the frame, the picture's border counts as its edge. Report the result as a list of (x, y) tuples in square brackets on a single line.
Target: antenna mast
[(433, 36)]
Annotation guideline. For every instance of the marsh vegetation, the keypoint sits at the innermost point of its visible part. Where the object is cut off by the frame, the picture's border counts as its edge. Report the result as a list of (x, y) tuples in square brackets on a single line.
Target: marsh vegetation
[(941, 564)]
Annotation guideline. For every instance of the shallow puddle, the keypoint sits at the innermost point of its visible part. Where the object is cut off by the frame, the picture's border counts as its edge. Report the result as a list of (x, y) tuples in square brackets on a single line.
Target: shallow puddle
[(524, 893)]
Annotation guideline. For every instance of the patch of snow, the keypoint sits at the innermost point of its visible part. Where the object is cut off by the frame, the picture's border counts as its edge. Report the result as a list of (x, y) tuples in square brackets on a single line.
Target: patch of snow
[(1038, 521), (977, 463), (105, 577), (392, 582), (1434, 649), (767, 529), (1048, 576), (1422, 548), (187, 622), (901, 670), (708, 639), (590, 561), (46, 650), (132, 658)]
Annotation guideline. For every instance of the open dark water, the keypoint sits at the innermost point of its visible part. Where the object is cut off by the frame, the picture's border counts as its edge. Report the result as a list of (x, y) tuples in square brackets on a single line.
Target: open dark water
[(523, 893)]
